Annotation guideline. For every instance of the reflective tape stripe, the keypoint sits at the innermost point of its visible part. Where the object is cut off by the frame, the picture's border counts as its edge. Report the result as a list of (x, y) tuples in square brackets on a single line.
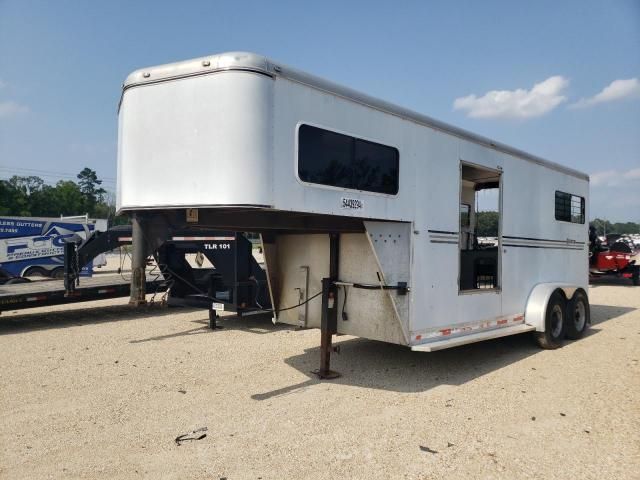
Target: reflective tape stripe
[(226, 239), (483, 325), (35, 299)]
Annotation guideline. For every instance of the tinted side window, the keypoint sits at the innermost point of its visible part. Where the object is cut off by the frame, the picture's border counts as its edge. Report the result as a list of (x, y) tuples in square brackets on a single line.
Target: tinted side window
[(324, 157), (375, 167), (330, 158), (569, 208)]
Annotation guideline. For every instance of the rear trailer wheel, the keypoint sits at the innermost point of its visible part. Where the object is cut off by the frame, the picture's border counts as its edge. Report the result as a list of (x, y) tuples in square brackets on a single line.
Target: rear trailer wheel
[(578, 315), (554, 323), (57, 273)]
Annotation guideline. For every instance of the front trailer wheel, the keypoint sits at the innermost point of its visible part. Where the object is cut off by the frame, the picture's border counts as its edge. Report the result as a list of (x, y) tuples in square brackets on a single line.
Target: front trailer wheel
[(554, 323), (578, 315)]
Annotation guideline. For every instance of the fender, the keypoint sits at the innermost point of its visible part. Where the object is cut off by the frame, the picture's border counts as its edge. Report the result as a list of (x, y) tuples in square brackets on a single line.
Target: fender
[(539, 298)]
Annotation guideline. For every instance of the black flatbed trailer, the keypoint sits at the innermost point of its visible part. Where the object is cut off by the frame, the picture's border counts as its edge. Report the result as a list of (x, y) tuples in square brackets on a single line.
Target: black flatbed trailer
[(52, 292)]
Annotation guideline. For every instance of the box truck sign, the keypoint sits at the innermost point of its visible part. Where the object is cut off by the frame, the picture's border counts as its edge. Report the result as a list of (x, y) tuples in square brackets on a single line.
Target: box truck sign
[(37, 246), (27, 242)]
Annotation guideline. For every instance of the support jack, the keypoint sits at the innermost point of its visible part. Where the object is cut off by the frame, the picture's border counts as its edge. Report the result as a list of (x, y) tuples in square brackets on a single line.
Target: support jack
[(329, 319), (213, 318)]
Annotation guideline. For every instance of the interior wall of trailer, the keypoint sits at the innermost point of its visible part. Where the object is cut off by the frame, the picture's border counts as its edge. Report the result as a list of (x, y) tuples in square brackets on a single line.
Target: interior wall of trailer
[(467, 198)]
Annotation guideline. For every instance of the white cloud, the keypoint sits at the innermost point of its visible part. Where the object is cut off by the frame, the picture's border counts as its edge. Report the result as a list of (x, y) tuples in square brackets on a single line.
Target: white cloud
[(519, 103), (615, 178), (10, 108), (615, 195), (616, 90)]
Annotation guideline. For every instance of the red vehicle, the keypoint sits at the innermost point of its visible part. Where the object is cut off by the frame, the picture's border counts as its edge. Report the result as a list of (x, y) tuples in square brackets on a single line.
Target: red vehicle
[(618, 260)]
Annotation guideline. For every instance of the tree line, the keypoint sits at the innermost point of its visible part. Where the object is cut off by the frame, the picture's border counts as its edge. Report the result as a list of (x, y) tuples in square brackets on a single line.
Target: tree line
[(31, 196), (487, 225)]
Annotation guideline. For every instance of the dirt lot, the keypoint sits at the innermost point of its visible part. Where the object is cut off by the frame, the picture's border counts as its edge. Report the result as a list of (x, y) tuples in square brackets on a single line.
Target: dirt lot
[(101, 391)]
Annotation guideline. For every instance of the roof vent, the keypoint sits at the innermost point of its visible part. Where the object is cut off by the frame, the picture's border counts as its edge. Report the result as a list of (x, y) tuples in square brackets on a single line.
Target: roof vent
[(206, 63), (146, 74)]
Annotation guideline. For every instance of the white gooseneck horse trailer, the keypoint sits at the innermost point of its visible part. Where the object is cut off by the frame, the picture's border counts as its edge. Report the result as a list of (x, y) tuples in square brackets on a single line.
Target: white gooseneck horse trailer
[(375, 219)]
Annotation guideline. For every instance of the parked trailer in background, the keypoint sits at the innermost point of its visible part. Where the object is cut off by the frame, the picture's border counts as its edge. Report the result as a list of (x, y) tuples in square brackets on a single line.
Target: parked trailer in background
[(369, 206), (34, 246), (232, 274)]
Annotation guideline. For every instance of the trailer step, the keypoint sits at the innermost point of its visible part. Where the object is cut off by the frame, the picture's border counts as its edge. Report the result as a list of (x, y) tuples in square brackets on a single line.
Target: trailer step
[(475, 337)]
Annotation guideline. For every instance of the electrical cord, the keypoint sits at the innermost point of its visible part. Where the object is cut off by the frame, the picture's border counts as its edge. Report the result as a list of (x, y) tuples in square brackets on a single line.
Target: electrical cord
[(257, 292), (271, 310), (296, 306), (345, 316), (206, 295), (122, 259), (168, 280)]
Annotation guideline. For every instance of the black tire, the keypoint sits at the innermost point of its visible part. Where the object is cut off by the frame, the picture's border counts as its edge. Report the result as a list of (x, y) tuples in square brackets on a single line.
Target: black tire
[(15, 280), (57, 273), (578, 315), (36, 272), (555, 323), (635, 276)]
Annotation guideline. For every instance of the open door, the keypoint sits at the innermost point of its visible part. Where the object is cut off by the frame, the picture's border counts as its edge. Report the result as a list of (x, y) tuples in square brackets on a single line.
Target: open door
[(480, 217)]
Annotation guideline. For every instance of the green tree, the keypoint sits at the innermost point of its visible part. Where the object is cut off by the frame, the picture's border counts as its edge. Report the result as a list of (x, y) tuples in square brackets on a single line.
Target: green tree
[(68, 199), (487, 224), (627, 227), (7, 198), (27, 185), (90, 187), (604, 227), (17, 192), (42, 202)]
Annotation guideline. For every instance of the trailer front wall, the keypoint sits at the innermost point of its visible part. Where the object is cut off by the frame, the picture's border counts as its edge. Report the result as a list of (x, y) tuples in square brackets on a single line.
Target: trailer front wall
[(200, 141), (370, 313)]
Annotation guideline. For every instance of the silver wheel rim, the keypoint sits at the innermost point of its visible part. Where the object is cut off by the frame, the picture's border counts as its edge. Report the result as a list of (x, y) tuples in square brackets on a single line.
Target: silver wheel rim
[(579, 316), (556, 321)]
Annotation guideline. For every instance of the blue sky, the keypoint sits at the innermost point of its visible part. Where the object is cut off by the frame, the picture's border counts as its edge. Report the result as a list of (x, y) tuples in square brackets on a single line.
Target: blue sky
[(472, 64)]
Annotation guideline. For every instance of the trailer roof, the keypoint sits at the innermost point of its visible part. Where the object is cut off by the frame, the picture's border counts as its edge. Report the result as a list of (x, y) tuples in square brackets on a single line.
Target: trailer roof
[(257, 63)]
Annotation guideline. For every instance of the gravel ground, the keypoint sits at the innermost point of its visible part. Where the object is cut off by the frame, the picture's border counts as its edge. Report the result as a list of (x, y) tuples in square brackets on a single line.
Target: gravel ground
[(102, 391)]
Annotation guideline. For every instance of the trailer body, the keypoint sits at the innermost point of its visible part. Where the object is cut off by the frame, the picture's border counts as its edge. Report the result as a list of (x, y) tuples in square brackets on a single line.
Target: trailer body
[(379, 199)]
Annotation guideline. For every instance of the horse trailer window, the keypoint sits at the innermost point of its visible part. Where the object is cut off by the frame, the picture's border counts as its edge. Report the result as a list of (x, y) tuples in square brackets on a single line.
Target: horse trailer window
[(338, 160), (569, 208)]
